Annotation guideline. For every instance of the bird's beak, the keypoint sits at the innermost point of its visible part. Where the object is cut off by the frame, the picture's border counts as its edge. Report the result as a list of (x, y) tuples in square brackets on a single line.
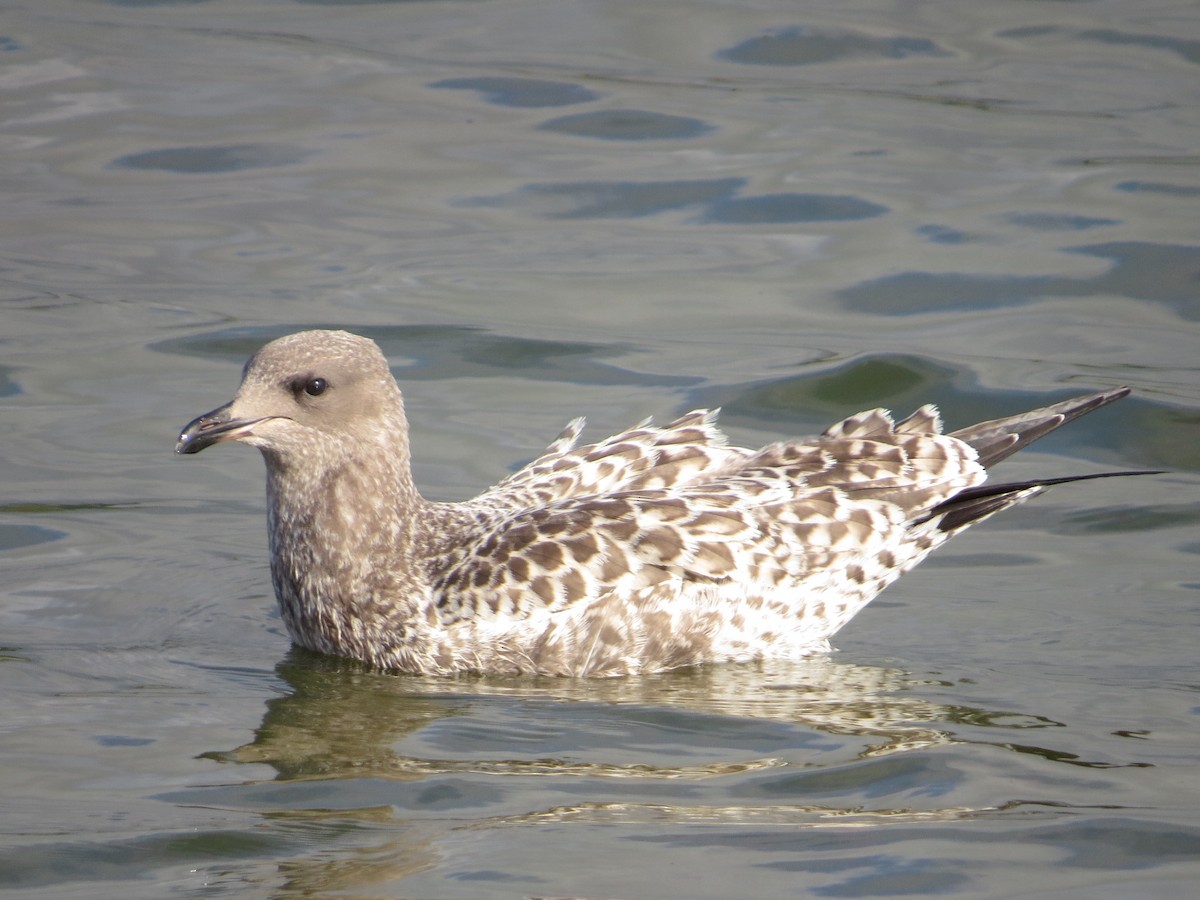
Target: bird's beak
[(212, 428)]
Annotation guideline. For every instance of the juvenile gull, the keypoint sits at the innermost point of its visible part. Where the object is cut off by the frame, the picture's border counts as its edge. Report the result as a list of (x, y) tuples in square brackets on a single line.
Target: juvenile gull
[(656, 548)]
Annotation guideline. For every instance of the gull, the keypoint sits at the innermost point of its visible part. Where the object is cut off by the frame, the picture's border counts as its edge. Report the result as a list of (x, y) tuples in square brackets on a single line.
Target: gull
[(654, 549)]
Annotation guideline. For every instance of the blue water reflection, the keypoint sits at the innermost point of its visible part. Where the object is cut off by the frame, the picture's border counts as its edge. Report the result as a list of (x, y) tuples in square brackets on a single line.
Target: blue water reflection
[(529, 93), (802, 45)]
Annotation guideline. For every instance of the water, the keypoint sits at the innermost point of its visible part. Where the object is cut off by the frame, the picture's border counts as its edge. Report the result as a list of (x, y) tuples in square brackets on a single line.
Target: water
[(547, 209)]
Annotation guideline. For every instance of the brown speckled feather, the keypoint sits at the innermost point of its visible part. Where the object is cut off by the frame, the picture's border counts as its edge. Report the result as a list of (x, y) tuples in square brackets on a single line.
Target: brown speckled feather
[(655, 548)]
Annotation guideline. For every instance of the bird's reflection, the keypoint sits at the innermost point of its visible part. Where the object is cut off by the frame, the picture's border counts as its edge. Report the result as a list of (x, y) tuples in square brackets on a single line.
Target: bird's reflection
[(341, 719), (378, 768)]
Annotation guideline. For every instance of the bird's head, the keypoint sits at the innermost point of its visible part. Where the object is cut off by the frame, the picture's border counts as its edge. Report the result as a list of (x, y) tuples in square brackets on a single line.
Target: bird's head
[(311, 389)]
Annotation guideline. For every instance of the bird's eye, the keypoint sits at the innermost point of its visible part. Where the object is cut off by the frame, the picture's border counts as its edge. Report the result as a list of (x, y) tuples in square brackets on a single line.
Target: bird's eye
[(315, 387)]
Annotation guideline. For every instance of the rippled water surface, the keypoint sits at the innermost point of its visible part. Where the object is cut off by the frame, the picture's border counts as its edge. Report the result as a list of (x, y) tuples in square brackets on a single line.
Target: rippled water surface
[(548, 208)]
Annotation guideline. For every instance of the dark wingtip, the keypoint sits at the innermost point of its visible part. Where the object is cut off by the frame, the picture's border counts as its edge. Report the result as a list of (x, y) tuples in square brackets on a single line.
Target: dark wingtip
[(999, 439), (980, 502)]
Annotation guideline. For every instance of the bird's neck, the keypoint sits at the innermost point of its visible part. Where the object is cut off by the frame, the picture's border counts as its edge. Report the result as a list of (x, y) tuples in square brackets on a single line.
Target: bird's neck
[(342, 549)]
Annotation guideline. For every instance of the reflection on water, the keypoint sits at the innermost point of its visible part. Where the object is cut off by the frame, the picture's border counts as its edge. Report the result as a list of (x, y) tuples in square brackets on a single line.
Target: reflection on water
[(338, 721), (343, 720), (627, 125), (716, 201), (802, 46), (522, 92), (234, 158), (383, 765), (1175, 269)]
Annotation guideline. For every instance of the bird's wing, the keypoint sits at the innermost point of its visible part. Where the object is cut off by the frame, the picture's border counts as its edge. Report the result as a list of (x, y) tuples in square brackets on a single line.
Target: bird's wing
[(640, 458), (787, 514)]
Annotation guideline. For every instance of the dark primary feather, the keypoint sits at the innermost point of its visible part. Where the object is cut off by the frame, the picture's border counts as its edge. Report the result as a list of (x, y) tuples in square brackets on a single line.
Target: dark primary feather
[(976, 503), (999, 439)]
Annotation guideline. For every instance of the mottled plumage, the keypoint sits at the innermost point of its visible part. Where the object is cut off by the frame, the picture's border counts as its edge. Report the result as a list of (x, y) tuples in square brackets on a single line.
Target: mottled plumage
[(656, 548)]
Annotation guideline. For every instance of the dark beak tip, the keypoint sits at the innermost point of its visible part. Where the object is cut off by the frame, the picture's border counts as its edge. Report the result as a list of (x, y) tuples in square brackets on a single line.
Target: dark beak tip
[(204, 430)]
